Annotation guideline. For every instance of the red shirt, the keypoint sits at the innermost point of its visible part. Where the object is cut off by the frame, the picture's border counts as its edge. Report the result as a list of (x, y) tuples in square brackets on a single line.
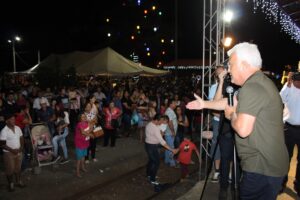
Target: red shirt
[(81, 141), (19, 120), (185, 151)]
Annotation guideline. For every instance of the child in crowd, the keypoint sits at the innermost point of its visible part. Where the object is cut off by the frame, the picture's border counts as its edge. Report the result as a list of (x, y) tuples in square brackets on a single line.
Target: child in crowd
[(186, 149), (82, 134)]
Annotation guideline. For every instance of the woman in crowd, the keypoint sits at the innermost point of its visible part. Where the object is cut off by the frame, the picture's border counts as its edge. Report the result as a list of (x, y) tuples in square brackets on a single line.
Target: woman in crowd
[(111, 114), (91, 112), (183, 124), (142, 110), (83, 132)]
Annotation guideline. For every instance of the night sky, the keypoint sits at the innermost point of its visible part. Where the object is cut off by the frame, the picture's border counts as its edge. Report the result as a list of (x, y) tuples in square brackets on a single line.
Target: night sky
[(53, 27)]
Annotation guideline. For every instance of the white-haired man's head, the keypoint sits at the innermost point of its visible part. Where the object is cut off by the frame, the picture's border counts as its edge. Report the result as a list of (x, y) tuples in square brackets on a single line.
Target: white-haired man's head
[(247, 52)]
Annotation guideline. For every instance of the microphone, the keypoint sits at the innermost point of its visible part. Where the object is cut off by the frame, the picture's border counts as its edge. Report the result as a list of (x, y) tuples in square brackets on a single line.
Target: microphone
[(229, 91)]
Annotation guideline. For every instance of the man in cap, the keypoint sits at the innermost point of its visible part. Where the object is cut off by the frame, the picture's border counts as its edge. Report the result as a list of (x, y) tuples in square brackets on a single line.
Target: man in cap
[(11, 140)]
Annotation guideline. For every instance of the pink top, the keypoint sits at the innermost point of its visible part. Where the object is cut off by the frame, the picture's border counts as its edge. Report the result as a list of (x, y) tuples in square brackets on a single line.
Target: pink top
[(109, 115), (80, 140)]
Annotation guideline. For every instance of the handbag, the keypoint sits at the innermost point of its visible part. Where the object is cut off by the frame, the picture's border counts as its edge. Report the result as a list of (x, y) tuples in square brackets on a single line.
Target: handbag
[(98, 132)]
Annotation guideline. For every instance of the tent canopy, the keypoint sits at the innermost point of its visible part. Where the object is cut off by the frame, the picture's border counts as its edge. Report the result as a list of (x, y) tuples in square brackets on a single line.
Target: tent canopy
[(102, 62)]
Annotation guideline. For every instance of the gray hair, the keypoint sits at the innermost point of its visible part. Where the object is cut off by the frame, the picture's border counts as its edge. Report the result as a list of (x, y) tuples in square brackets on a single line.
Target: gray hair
[(247, 52)]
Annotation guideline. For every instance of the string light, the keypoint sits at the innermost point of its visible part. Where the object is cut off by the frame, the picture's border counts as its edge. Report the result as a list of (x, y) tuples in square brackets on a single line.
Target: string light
[(107, 20), (276, 15)]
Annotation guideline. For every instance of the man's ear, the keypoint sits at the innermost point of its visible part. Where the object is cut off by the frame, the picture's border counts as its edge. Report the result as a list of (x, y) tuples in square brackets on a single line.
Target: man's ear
[(244, 65)]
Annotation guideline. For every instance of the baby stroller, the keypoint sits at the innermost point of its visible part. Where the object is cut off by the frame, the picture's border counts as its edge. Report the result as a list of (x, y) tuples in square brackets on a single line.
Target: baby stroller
[(42, 144)]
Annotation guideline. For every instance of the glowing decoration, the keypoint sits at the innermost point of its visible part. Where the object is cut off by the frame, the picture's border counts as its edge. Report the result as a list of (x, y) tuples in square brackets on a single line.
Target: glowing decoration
[(108, 34), (155, 29), (107, 20), (172, 41), (148, 54), (147, 49), (138, 2), (163, 52), (132, 37), (159, 63), (145, 16), (145, 12), (153, 7), (145, 44), (159, 13), (138, 27), (276, 15), (162, 40), (139, 32)]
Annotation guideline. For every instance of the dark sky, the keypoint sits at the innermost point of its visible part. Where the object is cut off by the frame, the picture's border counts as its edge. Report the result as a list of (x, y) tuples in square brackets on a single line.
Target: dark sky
[(53, 27)]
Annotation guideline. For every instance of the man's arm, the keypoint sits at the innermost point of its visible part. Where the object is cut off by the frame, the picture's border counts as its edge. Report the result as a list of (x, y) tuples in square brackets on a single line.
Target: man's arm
[(172, 127), (242, 123), (200, 104), (4, 146), (219, 91)]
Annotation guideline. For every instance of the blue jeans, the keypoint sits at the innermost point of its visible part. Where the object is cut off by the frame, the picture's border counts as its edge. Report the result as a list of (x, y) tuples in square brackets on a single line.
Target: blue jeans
[(153, 160), (61, 139), (259, 187), (169, 159), (215, 125)]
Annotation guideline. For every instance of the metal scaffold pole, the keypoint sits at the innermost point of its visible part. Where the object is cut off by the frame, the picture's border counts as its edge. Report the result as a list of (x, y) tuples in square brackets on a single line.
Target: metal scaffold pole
[(213, 31)]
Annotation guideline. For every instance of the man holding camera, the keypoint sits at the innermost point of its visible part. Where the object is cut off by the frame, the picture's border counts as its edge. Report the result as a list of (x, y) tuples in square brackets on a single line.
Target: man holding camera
[(290, 94)]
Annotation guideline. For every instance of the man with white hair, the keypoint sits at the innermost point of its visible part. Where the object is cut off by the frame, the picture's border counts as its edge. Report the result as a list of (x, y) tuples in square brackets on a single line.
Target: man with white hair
[(256, 117)]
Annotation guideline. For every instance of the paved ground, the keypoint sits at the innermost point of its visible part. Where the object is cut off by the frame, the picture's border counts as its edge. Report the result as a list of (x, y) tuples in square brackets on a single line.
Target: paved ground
[(212, 189)]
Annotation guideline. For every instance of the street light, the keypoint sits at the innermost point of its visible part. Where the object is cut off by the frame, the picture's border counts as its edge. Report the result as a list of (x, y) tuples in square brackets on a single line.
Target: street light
[(15, 39), (228, 16), (227, 42)]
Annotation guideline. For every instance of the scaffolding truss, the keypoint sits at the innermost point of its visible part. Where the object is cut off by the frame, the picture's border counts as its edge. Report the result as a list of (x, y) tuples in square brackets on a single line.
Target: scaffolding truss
[(213, 54)]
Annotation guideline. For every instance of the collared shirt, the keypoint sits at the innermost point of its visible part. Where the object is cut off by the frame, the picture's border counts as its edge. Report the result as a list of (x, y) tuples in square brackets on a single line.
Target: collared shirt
[(153, 135), (12, 138), (172, 117), (291, 98)]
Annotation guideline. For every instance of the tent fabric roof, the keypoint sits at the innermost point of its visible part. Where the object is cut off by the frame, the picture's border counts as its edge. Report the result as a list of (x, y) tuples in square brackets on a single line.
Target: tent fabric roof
[(102, 62)]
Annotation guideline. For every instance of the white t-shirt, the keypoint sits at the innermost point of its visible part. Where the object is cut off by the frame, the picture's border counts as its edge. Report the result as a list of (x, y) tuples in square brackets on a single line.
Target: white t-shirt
[(172, 117), (12, 138), (291, 98)]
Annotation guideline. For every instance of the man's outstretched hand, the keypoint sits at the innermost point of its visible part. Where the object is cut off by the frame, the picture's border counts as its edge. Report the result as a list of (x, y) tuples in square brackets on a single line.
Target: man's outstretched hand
[(197, 104)]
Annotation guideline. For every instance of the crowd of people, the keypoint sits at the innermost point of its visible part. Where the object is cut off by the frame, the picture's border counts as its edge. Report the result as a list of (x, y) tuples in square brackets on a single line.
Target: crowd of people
[(113, 105)]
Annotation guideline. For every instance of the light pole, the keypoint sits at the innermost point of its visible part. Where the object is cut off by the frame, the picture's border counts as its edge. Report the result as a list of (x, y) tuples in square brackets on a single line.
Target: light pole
[(15, 39)]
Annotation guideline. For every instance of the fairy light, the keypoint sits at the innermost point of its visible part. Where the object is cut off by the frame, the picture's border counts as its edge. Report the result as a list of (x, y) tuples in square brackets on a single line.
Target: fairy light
[(275, 14)]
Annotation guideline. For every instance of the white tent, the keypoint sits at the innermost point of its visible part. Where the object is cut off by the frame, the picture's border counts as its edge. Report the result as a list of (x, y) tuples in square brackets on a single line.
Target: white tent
[(103, 62)]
